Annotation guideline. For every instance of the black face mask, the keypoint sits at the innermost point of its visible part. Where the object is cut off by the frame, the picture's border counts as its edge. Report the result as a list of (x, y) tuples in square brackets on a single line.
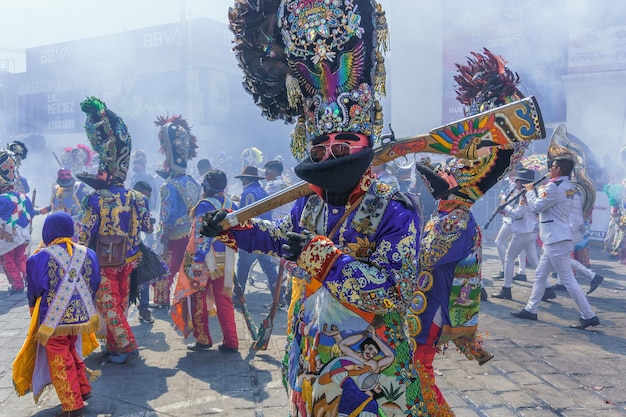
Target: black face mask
[(336, 175)]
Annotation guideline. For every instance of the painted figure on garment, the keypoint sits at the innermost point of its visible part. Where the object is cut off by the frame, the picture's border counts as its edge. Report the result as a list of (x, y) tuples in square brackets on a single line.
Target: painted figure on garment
[(113, 218), (205, 280), (178, 194), (63, 278), (354, 239), (16, 213)]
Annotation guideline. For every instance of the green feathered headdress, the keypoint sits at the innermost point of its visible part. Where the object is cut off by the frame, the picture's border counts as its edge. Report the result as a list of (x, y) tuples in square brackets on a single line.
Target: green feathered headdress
[(109, 137)]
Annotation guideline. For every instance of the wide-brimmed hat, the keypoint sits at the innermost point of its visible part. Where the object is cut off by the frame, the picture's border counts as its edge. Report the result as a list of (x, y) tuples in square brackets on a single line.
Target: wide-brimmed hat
[(250, 172), (525, 175)]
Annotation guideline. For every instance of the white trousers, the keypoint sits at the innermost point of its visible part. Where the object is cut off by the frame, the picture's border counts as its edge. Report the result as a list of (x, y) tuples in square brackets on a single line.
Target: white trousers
[(578, 267), (502, 243), (519, 243), (556, 256)]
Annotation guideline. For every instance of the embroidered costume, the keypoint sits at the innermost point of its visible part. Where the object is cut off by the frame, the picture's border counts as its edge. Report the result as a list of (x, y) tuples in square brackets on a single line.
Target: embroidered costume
[(205, 280), (320, 64), (358, 281), (67, 196), (179, 194), (451, 249), (19, 152), (63, 278), (16, 212), (113, 211)]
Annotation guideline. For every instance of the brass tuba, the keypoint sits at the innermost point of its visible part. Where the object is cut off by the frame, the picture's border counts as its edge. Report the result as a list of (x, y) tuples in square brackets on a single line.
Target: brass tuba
[(560, 145)]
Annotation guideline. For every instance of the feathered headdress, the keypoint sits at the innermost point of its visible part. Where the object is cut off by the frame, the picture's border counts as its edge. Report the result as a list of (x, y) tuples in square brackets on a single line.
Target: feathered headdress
[(76, 158), (317, 62), (109, 138), (19, 150), (178, 144), (485, 82)]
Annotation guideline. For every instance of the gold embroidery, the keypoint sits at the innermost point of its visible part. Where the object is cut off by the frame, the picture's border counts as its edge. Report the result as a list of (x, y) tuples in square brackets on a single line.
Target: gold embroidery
[(61, 383)]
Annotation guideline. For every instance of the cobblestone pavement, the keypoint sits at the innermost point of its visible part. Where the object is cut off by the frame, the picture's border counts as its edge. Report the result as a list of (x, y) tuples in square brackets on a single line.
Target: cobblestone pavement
[(540, 368)]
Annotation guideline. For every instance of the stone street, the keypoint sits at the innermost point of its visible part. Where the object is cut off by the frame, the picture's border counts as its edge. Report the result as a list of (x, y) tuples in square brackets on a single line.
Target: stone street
[(541, 368)]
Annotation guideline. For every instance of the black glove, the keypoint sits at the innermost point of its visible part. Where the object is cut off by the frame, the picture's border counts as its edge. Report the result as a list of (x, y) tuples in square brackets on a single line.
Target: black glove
[(211, 223), (295, 243)]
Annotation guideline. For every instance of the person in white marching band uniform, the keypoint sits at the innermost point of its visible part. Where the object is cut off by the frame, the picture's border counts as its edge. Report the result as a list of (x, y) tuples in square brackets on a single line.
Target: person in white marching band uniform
[(553, 202)]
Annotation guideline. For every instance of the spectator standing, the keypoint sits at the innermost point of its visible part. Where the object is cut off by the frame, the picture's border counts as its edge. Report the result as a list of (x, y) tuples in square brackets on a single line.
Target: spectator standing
[(252, 192)]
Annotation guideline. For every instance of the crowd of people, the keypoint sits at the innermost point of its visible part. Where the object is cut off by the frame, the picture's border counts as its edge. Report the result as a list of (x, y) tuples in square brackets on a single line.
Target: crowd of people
[(383, 261)]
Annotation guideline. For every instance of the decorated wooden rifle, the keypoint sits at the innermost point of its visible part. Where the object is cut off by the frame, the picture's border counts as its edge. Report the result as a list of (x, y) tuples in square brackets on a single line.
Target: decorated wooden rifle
[(468, 138)]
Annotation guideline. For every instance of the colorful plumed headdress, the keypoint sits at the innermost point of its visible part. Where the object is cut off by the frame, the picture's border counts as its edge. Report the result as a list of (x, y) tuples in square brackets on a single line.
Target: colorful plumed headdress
[(76, 158), (178, 144), (19, 150), (485, 82), (7, 168), (315, 62), (109, 138)]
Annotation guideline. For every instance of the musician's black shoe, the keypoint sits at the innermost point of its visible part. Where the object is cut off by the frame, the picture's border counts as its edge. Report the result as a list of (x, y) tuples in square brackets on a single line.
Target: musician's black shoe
[(499, 275), (504, 294), (595, 282), (549, 294), (197, 346), (559, 287), (525, 314), (520, 277), (584, 323)]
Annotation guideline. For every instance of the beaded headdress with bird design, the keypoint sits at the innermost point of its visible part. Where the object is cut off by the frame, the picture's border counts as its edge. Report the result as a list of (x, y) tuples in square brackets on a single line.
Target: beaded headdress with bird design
[(316, 63)]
